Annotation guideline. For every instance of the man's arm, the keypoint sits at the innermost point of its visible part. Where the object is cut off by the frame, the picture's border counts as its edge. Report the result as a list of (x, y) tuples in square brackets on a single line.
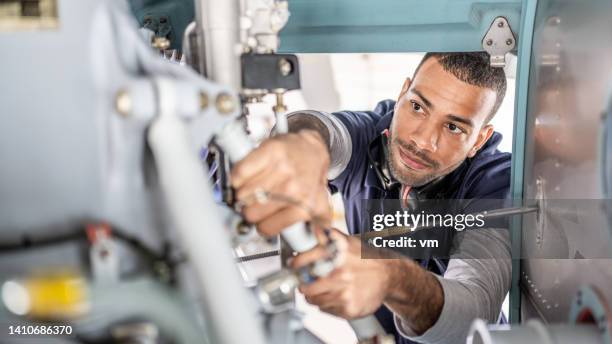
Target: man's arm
[(331, 130), (415, 295), (474, 286)]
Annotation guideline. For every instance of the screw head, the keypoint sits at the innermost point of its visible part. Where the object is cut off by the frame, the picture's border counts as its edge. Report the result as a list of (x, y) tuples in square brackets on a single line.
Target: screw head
[(161, 43), (225, 103), (500, 24), (123, 103), (285, 67), (489, 41), (509, 41)]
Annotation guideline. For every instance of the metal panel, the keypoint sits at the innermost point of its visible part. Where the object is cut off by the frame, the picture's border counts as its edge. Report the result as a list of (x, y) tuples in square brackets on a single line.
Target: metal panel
[(323, 26), (568, 92)]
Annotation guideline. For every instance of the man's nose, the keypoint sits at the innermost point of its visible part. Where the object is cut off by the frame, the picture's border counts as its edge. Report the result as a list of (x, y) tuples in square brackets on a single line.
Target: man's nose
[(426, 137)]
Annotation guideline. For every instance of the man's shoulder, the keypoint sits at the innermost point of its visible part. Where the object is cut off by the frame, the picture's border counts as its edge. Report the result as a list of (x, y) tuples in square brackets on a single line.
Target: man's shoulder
[(488, 172), (374, 120)]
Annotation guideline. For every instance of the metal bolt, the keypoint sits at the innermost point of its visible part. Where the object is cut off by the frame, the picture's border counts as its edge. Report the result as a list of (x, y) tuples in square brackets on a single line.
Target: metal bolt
[(203, 100), (243, 228), (123, 103), (225, 103), (489, 41), (509, 41), (285, 67), (160, 43), (500, 24)]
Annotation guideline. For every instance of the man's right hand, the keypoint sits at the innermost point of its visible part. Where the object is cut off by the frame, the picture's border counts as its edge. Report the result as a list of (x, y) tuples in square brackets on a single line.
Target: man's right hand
[(292, 170)]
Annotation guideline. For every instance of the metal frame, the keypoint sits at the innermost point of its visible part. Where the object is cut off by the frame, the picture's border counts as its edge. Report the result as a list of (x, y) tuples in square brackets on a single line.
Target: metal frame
[(518, 147)]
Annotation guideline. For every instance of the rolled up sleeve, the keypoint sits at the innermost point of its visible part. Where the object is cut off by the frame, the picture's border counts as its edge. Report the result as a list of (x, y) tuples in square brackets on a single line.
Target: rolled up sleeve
[(475, 284)]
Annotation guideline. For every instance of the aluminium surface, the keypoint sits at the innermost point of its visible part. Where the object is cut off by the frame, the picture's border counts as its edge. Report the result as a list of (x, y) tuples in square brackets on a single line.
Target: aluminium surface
[(569, 91)]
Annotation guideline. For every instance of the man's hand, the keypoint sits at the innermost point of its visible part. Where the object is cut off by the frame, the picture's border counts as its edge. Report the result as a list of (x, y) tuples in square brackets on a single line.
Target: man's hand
[(357, 287), (291, 170)]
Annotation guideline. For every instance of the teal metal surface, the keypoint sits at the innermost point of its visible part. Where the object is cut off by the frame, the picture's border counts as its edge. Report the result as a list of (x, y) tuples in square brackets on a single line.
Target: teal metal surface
[(344, 26), (518, 147), (179, 14)]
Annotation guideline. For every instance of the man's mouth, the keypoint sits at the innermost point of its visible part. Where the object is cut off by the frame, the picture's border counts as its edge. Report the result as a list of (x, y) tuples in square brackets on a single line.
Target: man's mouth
[(411, 161)]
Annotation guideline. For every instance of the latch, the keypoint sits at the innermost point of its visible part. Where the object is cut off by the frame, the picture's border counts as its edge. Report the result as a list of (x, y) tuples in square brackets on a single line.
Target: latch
[(498, 41)]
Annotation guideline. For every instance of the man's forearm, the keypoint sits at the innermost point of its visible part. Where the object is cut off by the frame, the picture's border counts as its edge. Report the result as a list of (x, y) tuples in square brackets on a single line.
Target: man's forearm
[(414, 295)]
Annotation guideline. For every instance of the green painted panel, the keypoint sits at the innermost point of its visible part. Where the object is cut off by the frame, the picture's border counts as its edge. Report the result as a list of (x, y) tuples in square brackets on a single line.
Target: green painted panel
[(518, 147), (178, 13), (336, 26)]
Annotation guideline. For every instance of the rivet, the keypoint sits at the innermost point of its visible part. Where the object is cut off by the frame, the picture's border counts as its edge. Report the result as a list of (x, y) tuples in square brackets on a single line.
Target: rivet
[(225, 103), (285, 67)]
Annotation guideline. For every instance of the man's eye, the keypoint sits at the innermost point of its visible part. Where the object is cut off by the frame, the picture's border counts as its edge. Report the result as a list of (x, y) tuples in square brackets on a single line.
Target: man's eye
[(454, 128), (416, 107)]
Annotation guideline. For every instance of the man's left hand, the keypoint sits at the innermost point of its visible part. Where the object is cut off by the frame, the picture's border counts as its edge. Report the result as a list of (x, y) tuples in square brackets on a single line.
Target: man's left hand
[(356, 288)]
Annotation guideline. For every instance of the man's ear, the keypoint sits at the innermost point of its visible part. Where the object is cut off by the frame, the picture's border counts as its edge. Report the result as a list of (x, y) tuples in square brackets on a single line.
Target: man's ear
[(404, 88), (483, 136)]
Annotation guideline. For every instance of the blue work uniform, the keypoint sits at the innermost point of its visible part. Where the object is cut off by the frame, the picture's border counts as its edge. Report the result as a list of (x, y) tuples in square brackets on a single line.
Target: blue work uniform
[(484, 176)]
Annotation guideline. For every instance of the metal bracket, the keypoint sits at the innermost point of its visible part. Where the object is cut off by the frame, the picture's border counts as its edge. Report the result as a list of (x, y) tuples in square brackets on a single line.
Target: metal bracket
[(103, 255), (498, 41)]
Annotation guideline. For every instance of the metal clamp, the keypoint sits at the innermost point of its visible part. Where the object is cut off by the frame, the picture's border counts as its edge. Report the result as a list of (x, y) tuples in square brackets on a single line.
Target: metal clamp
[(498, 41)]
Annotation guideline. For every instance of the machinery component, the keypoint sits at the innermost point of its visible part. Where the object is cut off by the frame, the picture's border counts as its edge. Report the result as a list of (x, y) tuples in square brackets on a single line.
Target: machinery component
[(270, 72), (166, 19), (498, 41), (188, 193), (276, 291), (218, 32), (191, 49), (567, 91), (103, 256), (59, 295), (534, 331), (137, 333), (590, 322), (591, 307), (18, 15), (261, 21)]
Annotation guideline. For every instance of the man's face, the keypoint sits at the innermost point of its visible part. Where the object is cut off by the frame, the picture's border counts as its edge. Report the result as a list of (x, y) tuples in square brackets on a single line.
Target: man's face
[(439, 121)]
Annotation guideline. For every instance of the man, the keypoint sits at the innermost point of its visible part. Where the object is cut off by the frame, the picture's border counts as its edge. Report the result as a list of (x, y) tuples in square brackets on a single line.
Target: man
[(435, 141)]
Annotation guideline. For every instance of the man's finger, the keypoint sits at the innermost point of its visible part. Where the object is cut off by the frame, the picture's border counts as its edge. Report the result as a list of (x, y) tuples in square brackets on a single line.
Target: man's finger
[(324, 300), (321, 285), (308, 257), (282, 219), (266, 180), (254, 163), (258, 211)]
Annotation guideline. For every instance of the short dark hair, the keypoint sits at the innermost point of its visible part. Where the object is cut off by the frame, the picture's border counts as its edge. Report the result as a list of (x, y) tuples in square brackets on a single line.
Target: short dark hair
[(473, 68)]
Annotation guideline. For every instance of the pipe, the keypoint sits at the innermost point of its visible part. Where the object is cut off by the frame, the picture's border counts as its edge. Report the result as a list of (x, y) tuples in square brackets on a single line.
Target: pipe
[(219, 28)]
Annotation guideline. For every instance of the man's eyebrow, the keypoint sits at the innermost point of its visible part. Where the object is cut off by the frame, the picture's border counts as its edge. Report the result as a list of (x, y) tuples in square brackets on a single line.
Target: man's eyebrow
[(425, 100), (463, 120)]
